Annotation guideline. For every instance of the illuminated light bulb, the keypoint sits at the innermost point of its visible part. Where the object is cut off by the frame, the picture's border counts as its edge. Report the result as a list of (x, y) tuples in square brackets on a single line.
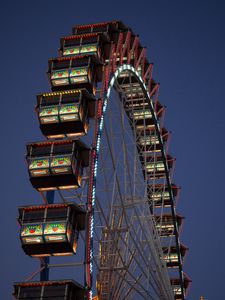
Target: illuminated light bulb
[(112, 81), (108, 92)]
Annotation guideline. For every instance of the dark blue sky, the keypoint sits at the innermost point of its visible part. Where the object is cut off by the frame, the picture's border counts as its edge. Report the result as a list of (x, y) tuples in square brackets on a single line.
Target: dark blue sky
[(186, 42)]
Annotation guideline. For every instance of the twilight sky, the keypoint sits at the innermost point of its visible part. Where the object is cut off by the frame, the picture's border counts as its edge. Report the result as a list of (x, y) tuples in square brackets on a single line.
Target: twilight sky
[(186, 42)]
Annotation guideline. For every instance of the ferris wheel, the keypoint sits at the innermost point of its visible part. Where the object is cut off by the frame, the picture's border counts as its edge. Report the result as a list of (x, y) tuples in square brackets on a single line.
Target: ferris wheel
[(105, 176)]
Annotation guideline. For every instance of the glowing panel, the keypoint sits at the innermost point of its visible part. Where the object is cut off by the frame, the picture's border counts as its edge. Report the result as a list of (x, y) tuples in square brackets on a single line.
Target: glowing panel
[(60, 74), (141, 127), (160, 195), (32, 240), (55, 228), (142, 114), (49, 114), (159, 166), (55, 238), (79, 79), (61, 161), (69, 112), (165, 226), (56, 136), (61, 170), (39, 164), (166, 195), (71, 51), (177, 289), (69, 108), (149, 140), (53, 119), (60, 82), (172, 257), (88, 48), (78, 72), (55, 232), (37, 173), (66, 187), (72, 117), (48, 111), (28, 230)]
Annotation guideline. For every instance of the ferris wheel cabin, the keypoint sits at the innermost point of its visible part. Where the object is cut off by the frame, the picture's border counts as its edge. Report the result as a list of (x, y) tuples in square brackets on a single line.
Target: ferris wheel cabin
[(139, 111), (160, 196), (176, 286), (74, 72), (51, 229), (165, 224), (66, 113), (57, 289), (56, 164), (171, 255), (148, 140), (103, 27), (155, 166), (87, 44)]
